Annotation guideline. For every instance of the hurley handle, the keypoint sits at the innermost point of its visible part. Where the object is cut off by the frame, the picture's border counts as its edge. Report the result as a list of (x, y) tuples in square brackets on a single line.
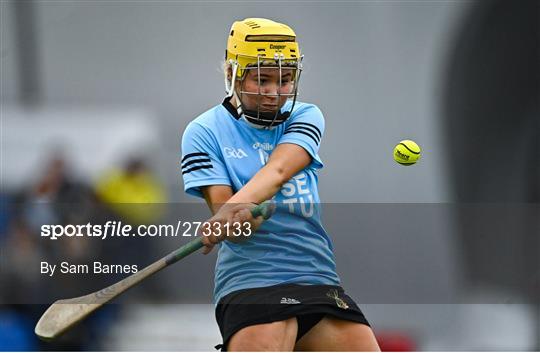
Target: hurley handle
[(265, 209)]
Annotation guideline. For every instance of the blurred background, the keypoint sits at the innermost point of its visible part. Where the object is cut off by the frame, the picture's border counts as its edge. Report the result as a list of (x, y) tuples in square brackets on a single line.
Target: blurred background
[(95, 96)]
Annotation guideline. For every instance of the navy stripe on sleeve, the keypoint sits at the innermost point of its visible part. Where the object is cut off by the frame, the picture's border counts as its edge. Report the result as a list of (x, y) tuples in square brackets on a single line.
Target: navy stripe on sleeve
[(309, 134), (201, 159), (195, 154), (197, 168), (297, 124), (193, 161)]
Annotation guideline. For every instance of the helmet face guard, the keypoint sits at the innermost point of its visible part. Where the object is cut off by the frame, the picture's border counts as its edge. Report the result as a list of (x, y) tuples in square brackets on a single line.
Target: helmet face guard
[(258, 116)]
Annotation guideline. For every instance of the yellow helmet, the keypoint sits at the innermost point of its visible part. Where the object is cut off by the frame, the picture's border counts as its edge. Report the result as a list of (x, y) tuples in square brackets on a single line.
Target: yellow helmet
[(255, 38), (256, 43)]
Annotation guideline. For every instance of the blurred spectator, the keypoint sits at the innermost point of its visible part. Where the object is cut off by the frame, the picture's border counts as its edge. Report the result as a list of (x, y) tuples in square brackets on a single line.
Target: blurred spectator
[(52, 199), (19, 284), (133, 195), (56, 198), (134, 192), (5, 215)]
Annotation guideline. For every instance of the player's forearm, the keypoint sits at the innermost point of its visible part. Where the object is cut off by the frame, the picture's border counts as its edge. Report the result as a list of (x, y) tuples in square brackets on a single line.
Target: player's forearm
[(216, 196), (284, 163), (263, 186)]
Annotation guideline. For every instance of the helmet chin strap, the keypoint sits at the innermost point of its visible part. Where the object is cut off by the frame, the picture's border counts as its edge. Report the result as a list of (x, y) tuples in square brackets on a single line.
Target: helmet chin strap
[(265, 119), (238, 102), (258, 119)]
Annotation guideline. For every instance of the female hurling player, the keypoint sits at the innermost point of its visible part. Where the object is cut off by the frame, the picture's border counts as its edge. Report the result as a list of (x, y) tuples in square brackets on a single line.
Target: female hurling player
[(276, 290)]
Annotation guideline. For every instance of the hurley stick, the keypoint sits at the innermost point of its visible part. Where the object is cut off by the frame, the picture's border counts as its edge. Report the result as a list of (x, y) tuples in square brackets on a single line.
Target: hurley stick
[(66, 313)]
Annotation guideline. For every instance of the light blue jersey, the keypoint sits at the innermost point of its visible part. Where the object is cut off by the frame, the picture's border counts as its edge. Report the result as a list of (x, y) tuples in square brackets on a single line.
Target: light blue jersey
[(220, 148)]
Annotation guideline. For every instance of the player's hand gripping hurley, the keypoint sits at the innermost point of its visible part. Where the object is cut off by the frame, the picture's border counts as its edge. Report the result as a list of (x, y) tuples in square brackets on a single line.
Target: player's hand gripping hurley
[(64, 314)]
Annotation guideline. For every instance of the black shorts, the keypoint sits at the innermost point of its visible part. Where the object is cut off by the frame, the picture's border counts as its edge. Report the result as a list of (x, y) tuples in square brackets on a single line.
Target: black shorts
[(308, 303)]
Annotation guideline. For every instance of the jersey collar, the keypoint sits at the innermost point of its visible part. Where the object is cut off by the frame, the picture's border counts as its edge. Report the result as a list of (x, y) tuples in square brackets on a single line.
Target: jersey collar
[(236, 113)]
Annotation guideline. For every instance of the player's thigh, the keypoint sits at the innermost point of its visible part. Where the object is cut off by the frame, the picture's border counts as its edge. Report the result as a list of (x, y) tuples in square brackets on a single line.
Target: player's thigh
[(274, 336), (332, 334)]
